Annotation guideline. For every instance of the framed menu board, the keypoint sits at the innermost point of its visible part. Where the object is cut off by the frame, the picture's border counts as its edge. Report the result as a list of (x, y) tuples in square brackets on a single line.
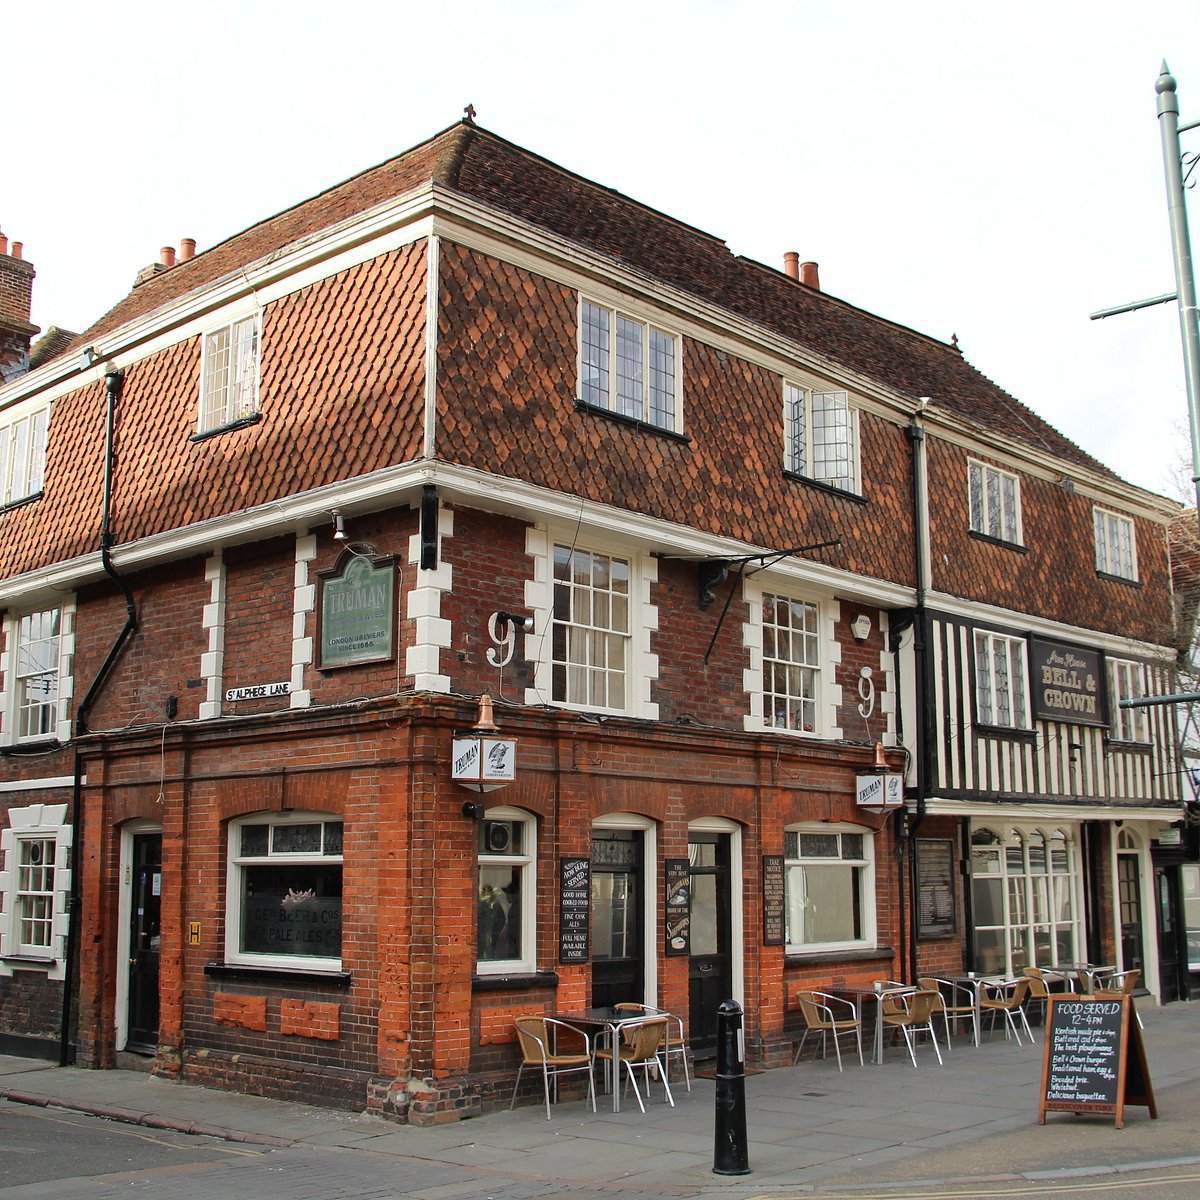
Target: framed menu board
[(774, 923), (574, 909), (937, 913), (678, 906), (1093, 1059)]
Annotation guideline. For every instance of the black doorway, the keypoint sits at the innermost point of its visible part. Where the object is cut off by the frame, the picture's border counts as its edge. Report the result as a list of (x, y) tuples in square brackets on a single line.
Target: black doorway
[(144, 919), (710, 974), (618, 971)]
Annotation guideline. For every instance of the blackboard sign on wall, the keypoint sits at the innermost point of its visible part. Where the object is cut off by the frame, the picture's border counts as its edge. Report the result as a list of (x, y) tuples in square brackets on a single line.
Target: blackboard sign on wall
[(1093, 1059), (774, 925), (937, 914), (574, 901), (678, 906)]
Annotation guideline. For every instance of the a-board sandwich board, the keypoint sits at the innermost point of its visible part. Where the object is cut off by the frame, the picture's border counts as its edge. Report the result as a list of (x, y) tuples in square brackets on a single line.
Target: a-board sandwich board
[(1093, 1058)]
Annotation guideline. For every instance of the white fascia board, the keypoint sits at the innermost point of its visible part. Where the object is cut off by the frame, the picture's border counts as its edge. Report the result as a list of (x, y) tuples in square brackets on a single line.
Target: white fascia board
[(939, 603), (48, 783), (1014, 810), (402, 484)]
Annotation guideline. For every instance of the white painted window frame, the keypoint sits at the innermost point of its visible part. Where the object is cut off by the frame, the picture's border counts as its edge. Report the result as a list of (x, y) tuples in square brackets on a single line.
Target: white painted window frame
[(234, 406), (991, 720), (801, 452), (526, 863), (23, 455), (1127, 681), (35, 822), (11, 688), (982, 515), (866, 885), (1111, 557)]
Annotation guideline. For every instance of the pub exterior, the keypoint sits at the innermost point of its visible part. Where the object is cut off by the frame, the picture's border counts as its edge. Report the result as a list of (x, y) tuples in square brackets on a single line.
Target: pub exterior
[(507, 600)]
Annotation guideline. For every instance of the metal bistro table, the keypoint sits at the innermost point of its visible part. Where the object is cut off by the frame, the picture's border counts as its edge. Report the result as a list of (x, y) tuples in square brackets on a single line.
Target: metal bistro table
[(860, 995), (977, 983), (606, 1022)]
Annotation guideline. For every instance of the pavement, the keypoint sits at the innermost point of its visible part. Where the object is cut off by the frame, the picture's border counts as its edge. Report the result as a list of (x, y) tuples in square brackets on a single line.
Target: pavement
[(811, 1130)]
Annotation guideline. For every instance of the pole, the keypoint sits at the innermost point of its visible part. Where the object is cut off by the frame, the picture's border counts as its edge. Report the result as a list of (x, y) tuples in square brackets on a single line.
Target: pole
[(730, 1155), (1185, 284)]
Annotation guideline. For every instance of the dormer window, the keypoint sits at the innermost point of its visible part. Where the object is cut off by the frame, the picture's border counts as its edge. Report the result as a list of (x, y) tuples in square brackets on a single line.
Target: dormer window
[(229, 387), (995, 500), (820, 437), (23, 456)]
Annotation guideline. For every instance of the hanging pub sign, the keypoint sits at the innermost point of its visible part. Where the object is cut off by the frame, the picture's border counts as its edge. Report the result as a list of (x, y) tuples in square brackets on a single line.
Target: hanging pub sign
[(357, 615), (1068, 683), (678, 905), (483, 763), (879, 793)]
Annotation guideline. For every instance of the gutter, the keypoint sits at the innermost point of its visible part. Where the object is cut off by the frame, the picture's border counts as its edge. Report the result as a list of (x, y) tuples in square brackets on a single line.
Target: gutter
[(114, 380)]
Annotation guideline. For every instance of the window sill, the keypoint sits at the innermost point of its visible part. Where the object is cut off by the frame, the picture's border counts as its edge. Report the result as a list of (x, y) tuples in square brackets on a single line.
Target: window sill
[(584, 406), (1010, 732), (240, 423), (38, 746), (27, 961), (24, 500), (514, 983), (842, 493), (1133, 583), (1003, 543), (224, 970), (797, 958), (1121, 744)]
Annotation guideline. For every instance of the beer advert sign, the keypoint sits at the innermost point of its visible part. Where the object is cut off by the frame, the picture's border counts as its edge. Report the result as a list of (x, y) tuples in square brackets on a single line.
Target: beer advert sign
[(1067, 683)]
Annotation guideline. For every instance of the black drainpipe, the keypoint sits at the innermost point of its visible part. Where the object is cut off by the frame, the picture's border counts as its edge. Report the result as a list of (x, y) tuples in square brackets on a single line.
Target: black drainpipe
[(113, 382), (922, 683)]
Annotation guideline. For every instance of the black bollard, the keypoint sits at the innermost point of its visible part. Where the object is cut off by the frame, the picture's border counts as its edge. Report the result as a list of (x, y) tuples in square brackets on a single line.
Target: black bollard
[(730, 1155)]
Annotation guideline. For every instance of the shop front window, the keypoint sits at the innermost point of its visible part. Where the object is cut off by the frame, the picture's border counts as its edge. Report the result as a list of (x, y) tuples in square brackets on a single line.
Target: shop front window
[(505, 898)]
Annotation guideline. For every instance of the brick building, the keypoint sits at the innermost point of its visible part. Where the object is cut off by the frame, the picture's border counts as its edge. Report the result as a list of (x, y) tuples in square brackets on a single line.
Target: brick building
[(725, 552)]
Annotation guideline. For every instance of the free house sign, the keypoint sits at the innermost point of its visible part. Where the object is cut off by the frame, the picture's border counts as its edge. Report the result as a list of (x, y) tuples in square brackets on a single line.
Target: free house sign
[(358, 612)]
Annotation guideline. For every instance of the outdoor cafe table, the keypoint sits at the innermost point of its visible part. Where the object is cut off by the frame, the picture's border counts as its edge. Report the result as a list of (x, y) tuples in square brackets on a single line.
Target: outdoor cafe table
[(977, 983), (860, 995), (606, 1023)]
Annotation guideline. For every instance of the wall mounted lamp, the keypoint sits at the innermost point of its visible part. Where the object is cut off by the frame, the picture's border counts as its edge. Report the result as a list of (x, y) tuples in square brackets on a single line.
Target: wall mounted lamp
[(861, 627), (521, 624), (87, 356), (339, 526)]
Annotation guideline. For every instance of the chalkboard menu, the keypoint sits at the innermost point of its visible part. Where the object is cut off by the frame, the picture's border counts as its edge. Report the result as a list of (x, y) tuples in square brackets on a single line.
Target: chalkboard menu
[(574, 900), (1093, 1060), (937, 914), (678, 906), (774, 923)]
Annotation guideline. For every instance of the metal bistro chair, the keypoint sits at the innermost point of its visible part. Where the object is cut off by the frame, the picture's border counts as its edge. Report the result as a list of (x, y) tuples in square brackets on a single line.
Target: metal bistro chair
[(1008, 997), (1039, 991), (538, 1038), (640, 1044), (673, 1042), (955, 1002), (915, 1016), (818, 1011), (1121, 983)]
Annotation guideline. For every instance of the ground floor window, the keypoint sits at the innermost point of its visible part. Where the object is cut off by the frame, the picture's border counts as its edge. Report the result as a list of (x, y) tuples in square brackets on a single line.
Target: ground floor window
[(35, 878), (284, 893), (829, 882), (506, 900), (1026, 895), (1191, 913)]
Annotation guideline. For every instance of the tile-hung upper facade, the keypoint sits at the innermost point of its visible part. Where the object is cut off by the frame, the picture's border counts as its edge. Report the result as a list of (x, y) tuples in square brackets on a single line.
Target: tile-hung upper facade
[(464, 384)]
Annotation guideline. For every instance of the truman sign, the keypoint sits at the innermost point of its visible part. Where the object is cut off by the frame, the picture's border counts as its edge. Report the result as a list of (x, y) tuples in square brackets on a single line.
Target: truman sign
[(358, 612), (1068, 683)]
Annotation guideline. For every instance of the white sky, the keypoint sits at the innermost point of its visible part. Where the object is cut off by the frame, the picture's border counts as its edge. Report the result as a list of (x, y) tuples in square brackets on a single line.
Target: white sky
[(989, 170)]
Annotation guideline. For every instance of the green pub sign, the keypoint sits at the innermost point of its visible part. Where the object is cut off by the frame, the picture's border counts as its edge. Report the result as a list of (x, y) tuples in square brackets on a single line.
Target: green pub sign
[(358, 612)]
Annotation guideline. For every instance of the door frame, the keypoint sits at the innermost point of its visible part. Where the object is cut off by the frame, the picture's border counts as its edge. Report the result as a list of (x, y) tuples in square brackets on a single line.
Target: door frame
[(129, 831), (737, 941), (651, 902), (1140, 833)]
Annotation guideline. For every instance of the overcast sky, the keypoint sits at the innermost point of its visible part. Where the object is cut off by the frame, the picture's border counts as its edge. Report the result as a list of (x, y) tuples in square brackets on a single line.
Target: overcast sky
[(991, 171)]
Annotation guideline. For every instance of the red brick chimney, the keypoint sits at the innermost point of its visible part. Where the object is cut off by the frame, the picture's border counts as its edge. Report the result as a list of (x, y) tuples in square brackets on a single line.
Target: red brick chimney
[(16, 303)]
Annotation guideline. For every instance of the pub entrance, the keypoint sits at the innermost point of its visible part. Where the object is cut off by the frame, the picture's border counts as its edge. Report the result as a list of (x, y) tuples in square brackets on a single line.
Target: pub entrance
[(145, 906), (710, 966), (618, 917)]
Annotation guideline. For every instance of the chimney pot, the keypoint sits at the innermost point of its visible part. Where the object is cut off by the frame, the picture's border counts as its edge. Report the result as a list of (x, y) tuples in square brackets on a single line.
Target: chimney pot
[(17, 249), (809, 276), (791, 264), (3, 244), (187, 249), (167, 256)]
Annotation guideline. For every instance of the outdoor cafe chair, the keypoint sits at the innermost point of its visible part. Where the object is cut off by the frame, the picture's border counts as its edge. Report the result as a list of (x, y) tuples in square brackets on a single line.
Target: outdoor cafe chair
[(538, 1038), (640, 1044), (1039, 992), (1121, 983), (826, 1014), (913, 1017), (955, 1002), (673, 1042), (1008, 998)]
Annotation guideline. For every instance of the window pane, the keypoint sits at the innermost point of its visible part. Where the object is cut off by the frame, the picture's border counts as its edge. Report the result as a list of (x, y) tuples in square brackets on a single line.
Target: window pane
[(594, 385), (292, 909), (629, 367), (499, 919), (254, 841), (296, 839)]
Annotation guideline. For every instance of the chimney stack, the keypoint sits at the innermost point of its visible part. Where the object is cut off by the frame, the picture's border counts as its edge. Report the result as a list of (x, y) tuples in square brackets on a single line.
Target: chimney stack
[(16, 303)]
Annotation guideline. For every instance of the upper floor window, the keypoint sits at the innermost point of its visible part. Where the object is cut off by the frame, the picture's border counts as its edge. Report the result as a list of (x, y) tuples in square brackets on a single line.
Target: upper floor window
[(591, 639), (791, 663), (284, 891), (34, 883), (229, 387), (23, 456), (1001, 681), (628, 366), (506, 903), (1126, 681), (34, 663), (820, 436), (829, 886), (995, 497), (1116, 548)]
